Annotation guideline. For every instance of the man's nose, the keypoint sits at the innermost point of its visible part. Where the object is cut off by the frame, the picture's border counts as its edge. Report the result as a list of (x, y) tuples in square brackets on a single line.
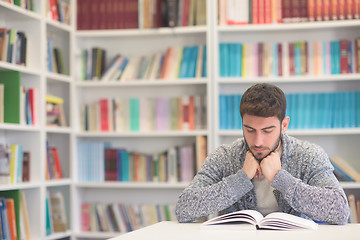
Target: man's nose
[(259, 138)]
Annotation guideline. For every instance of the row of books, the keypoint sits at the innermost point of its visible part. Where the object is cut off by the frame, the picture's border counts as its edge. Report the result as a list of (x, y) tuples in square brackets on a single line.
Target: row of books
[(56, 217), (18, 104), (14, 216), (306, 110), (53, 163), (144, 114), (26, 4), (289, 59), (99, 162), (59, 10), (171, 13), (55, 115), (14, 164), (143, 14), (55, 58), (13, 46), (175, 62), (235, 12), (122, 217), (354, 205)]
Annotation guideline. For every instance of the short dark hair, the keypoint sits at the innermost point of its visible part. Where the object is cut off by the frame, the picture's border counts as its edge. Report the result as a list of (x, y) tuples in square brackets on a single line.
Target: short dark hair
[(263, 100)]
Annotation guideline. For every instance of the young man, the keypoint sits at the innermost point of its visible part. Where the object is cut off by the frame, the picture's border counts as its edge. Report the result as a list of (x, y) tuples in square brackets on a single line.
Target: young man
[(266, 170)]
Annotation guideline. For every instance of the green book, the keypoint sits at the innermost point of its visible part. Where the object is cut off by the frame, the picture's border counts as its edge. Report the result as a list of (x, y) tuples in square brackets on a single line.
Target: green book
[(14, 194), (134, 114), (11, 81)]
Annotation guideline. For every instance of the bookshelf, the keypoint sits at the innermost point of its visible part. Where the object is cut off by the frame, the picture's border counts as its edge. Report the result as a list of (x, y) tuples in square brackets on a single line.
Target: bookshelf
[(33, 136), (130, 42), (335, 141)]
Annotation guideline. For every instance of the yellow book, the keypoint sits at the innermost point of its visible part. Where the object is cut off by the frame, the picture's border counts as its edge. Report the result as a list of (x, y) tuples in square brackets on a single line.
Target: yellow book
[(13, 162), (53, 99), (244, 62)]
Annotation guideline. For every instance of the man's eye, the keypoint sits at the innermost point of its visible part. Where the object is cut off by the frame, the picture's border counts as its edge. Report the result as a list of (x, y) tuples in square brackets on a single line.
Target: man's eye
[(250, 130), (267, 131)]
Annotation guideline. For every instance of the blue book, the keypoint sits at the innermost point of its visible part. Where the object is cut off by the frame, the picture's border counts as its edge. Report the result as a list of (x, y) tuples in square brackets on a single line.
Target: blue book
[(222, 59), (239, 57), (125, 166), (134, 114), (236, 118), (324, 57), (231, 111), (232, 59), (50, 54), (118, 164), (332, 57), (329, 110), (222, 112), (357, 109), (204, 66), (184, 62), (315, 110), (239, 124), (193, 61)]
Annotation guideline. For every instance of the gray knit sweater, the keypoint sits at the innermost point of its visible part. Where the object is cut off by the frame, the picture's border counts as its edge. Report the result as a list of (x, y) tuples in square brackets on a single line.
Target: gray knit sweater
[(305, 186)]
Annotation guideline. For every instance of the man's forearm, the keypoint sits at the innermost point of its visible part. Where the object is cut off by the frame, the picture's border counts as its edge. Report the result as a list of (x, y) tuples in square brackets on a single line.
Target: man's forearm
[(198, 201), (319, 203)]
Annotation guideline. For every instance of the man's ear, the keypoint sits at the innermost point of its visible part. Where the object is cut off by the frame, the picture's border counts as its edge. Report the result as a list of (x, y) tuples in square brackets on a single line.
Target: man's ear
[(285, 124)]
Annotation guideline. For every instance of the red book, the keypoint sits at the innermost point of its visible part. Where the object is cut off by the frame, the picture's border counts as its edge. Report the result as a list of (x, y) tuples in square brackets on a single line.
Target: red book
[(53, 10), (355, 8), (191, 113), (319, 10), (267, 11), (57, 163), (255, 11), (341, 8), (286, 10), (326, 10), (311, 10), (32, 104), (11, 217), (104, 115), (85, 217), (110, 164), (344, 56), (95, 15), (261, 11), (185, 13), (334, 9)]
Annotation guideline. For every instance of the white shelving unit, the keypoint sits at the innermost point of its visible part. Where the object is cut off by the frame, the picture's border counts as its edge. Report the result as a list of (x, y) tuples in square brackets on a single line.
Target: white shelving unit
[(33, 138), (128, 43), (343, 141)]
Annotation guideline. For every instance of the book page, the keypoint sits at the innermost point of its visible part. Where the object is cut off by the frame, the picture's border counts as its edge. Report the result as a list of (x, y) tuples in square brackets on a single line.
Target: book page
[(247, 216), (284, 221)]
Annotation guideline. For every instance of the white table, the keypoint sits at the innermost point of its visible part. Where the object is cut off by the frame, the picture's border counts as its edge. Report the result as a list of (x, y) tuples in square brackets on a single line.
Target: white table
[(189, 231)]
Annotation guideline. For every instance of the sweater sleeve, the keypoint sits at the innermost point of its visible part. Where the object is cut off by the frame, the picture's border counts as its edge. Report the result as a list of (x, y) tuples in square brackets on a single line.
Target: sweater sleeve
[(213, 188), (321, 197)]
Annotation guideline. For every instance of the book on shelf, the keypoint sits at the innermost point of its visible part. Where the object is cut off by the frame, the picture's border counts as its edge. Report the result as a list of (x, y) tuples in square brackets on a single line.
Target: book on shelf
[(13, 46), (12, 220), (120, 217), (55, 115), (299, 58), (24, 218), (174, 63), (187, 113), (55, 59), (325, 111), (345, 169), (54, 169), (354, 205), (5, 157), (58, 10), (11, 81), (235, 12), (58, 212), (175, 164), (255, 220)]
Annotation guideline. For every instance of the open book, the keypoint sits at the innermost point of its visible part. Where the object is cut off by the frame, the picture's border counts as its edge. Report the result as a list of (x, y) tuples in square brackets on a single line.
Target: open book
[(276, 220)]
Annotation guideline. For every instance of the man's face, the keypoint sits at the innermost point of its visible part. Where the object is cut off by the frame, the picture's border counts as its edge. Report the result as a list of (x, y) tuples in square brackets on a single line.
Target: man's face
[(263, 135)]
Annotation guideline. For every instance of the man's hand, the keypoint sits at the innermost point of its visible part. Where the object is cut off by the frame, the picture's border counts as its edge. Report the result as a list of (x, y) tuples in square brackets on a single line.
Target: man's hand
[(251, 166), (270, 165)]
